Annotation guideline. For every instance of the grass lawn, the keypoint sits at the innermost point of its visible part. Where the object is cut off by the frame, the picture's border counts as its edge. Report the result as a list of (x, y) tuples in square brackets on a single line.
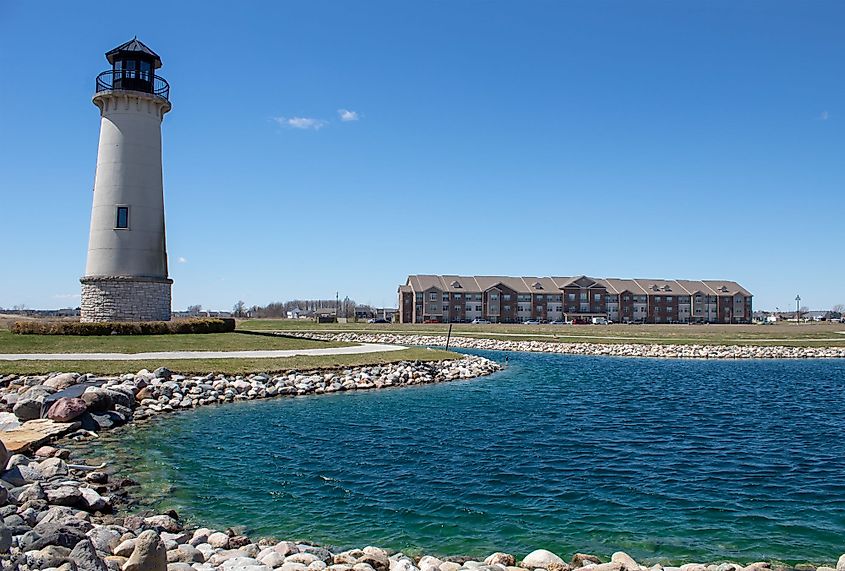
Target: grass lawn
[(226, 366), (11, 343), (820, 334)]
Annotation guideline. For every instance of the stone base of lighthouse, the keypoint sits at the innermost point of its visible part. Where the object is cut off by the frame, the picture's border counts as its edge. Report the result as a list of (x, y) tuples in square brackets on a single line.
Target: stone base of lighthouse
[(125, 298)]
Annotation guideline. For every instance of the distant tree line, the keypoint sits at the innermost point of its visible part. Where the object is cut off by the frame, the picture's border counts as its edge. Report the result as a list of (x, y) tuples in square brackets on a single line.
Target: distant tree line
[(345, 307)]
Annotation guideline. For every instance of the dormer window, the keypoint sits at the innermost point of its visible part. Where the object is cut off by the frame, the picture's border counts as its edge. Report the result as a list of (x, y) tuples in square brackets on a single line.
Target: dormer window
[(537, 285), (654, 287), (456, 284)]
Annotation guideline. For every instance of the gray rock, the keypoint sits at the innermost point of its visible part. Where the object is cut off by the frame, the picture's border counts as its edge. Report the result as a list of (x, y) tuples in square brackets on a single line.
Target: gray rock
[(5, 539), (49, 556), (97, 399), (320, 553), (64, 496), (163, 523), (104, 539), (52, 467), (125, 548), (86, 558), (29, 404), (61, 381), (92, 500), (23, 474), (61, 534), (185, 553), (149, 554), (500, 558), (31, 492), (626, 561), (840, 565)]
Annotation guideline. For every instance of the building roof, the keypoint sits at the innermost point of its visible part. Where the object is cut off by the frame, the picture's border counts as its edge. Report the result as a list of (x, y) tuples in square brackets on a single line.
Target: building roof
[(133, 45), (554, 284)]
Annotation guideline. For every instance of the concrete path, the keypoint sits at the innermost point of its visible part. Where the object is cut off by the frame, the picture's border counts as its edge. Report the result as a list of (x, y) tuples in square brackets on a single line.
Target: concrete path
[(355, 350)]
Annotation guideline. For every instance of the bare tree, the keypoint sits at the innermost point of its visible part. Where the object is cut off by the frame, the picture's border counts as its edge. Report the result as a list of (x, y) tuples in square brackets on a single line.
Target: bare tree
[(194, 309), (238, 309), (838, 308)]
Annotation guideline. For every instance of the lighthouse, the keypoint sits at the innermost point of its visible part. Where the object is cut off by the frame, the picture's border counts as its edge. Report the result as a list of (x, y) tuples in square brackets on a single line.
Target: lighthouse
[(126, 269)]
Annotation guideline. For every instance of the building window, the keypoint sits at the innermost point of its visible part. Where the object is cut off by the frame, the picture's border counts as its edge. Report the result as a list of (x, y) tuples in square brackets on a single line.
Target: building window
[(122, 217), (598, 297), (570, 296), (506, 297), (432, 296), (584, 296), (506, 308)]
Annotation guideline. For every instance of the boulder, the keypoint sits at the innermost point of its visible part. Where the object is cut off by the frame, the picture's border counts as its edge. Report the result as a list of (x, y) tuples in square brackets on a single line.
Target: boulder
[(64, 496), (625, 560), (185, 554), (66, 534), (61, 381), (540, 558), (97, 399), (163, 523), (28, 406), (5, 539), (581, 559), (840, 565), (500, 558), (66, 409), (4, 456), (148, 555), (104, 539), (86, 558), (125, 548), (92, 500), (218, 540), (49, 556), (375, 558), (52, 467)]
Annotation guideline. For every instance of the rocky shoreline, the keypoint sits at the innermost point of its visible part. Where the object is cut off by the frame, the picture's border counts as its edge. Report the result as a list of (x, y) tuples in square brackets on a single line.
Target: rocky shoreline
[(56, 514), (672, 351), (60, 515)]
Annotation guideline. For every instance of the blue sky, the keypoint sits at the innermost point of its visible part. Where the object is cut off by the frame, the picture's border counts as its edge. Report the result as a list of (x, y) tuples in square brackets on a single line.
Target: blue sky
[(620, 139)]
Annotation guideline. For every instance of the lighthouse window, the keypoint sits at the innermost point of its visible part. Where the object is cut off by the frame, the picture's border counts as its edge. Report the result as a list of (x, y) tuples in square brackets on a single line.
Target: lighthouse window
[(122, 217)]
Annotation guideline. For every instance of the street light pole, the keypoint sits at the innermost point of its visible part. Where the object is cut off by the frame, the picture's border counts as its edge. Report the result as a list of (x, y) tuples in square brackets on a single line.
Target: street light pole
[(797, 309)]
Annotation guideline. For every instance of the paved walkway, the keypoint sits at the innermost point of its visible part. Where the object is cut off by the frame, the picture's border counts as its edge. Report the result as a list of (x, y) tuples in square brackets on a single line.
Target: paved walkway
[(355, 350)]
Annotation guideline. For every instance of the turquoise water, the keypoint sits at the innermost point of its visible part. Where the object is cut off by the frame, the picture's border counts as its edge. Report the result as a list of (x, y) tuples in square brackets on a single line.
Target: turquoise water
[(667, 460)]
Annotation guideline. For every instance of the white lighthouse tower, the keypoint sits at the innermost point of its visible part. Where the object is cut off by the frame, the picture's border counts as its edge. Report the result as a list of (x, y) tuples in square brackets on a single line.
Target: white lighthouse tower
[(126, 272)]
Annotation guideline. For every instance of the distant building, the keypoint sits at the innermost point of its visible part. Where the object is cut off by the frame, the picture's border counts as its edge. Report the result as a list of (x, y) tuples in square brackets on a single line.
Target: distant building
[(503, 299), (325, 315)]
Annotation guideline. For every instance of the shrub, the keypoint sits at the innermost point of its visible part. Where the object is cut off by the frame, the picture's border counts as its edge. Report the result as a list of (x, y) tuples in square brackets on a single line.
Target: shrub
[(199, 325)]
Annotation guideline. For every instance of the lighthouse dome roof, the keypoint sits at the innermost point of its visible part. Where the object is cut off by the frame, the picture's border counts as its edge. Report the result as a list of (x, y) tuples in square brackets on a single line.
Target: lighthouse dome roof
[(133, 47)]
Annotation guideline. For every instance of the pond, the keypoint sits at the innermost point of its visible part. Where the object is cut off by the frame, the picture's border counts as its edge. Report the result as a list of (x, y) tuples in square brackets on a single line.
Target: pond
[(668, 460)]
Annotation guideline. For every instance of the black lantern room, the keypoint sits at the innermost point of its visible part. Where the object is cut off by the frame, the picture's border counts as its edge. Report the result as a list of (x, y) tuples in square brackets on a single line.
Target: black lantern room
[(133, 69)]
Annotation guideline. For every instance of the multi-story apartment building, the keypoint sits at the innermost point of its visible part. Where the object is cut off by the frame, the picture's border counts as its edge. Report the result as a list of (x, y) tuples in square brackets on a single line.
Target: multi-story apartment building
[(502, 299)]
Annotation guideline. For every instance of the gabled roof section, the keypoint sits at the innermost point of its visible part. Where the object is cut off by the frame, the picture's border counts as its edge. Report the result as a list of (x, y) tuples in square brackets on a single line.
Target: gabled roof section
[(618, 285), (134, 45), (725, 287), (579, 281)]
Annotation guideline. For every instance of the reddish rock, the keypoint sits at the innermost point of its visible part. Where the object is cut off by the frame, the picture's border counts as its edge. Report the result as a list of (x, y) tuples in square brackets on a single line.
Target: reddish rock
[(66, 409)]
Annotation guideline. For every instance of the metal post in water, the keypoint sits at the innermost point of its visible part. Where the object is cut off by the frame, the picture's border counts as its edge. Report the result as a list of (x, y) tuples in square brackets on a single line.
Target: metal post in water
[(449, 337)]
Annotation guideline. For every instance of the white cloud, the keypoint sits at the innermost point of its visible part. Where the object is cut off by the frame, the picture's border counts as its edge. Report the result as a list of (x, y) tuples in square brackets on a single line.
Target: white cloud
[(824, 116), (347, 115), (182, 260), (301, 122)]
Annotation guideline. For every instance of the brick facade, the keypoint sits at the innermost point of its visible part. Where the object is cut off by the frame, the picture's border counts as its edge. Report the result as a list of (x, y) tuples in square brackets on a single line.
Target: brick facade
[(503, 299)]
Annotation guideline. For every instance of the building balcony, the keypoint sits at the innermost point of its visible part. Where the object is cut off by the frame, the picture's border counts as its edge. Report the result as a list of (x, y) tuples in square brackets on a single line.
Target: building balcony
[(133, 80)]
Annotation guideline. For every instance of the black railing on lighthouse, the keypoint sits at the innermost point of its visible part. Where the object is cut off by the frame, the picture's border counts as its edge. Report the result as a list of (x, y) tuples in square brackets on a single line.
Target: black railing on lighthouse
[(133, 80)]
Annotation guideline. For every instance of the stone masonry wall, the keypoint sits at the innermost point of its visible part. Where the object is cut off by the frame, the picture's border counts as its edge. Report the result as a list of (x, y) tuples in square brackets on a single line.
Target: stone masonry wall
[(125, 299)]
